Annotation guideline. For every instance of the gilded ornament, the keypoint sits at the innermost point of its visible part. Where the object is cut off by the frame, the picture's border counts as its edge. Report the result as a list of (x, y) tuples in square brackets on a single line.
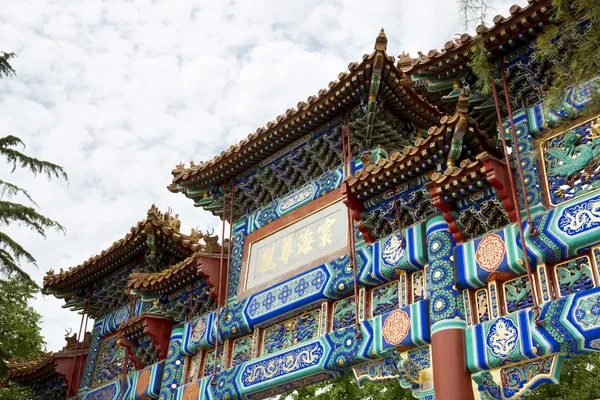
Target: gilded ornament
[(191, 392), (143, 382), (490, 252), (396, 327)]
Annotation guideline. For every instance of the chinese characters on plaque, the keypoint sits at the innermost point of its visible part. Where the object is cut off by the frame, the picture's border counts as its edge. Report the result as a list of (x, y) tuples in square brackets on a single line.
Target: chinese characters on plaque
[(318, 235)]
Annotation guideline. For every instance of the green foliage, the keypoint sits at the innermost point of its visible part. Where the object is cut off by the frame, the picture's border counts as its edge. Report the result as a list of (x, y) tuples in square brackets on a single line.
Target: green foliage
[(570, 47), (567, 48), (578, 381), (481, 67), (20, 334), (11, 252), (346, 388)]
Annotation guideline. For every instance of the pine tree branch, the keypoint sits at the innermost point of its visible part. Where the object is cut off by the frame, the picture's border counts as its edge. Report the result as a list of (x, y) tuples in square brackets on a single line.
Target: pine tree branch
[(481, 67), (9, 267), (36, 166), (9, 190), (18, 252), (5, 68), (14, 212)]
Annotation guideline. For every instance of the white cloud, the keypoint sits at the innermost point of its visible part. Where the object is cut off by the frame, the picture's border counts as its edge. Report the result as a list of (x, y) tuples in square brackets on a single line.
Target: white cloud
[(119, 92)]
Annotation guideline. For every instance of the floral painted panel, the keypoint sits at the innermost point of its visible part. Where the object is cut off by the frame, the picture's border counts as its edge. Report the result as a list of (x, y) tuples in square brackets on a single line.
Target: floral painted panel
[(194, 369), (517, 294), (574, 276), (242, 350), (209, 361)]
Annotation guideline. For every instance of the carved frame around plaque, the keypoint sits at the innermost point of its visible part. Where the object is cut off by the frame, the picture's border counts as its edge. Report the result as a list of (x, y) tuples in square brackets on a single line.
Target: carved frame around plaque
[(303, 239)]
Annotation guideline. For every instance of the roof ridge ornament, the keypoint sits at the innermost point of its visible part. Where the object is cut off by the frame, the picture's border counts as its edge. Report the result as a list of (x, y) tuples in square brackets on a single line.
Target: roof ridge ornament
[(381, 41)]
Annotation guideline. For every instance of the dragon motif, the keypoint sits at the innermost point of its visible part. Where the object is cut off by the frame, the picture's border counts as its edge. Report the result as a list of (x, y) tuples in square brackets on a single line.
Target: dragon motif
[(282, 364), (502, 337), (580, 217)]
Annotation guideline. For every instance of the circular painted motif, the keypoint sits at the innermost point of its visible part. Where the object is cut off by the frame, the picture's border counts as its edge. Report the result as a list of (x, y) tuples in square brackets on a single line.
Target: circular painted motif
[(490, 252), (502, 337), (191, 391), (393, 250), (143, 382), (396, 327)]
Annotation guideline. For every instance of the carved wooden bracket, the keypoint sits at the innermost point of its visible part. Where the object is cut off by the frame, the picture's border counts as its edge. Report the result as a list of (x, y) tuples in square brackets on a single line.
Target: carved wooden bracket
[(70, 367), (208, 268), (356, 209), (157, 327), (472, 177)]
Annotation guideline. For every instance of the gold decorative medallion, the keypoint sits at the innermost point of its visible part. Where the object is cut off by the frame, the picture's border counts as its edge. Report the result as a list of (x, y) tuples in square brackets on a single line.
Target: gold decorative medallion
[(396, 327), (490, 252), (143, 382)]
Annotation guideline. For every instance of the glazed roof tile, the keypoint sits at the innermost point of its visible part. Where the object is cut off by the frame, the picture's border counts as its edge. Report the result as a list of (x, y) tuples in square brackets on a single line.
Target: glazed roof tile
[(173, 276), (113, 256), (39, 366), (315, 111), (135, 325), (466, 166), (412, 160), (505, 29)]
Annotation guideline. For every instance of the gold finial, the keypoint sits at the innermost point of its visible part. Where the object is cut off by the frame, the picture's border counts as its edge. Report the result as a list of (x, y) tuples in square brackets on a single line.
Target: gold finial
[(381, 41)]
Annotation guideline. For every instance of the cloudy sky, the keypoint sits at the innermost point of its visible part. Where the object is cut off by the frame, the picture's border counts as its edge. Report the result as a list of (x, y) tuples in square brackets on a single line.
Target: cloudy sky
[(119, 92)]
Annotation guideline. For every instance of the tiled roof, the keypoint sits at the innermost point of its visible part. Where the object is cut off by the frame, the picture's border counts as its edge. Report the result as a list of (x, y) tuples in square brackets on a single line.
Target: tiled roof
[(329, 103), (20, 370), (415, 160), (400, 165), (505, 34), (36, 367), (172, 277), (123, 249)]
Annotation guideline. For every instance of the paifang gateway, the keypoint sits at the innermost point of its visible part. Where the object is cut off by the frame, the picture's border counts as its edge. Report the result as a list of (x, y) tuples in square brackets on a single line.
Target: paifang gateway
[(397, 225)]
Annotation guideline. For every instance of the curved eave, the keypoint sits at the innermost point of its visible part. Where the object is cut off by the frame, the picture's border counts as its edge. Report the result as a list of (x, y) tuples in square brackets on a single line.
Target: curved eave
[(330, 104), (507, 33)]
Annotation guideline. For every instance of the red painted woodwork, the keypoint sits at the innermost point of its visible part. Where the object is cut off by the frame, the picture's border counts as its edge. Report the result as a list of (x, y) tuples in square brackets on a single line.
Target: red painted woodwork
[(155, 326), (208, 268)]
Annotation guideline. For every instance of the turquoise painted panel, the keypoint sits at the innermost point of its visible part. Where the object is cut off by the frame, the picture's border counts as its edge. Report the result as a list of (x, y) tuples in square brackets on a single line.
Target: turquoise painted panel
[(569, 325), (144, 384), (199, 333), (407, 326), (494, 253)]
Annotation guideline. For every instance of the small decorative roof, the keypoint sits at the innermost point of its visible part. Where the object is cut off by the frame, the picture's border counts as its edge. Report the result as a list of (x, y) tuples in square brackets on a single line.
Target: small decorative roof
[(317, 110), (170, 278), (43, 365), (413, 161), (164, 228)]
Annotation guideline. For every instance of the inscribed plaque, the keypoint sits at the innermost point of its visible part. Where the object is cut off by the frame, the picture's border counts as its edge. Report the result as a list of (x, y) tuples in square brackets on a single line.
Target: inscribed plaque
[(311, 238)]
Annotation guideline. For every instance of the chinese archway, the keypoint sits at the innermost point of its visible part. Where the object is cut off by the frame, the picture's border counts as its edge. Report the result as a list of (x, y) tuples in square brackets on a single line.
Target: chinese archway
[(397, 225)]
